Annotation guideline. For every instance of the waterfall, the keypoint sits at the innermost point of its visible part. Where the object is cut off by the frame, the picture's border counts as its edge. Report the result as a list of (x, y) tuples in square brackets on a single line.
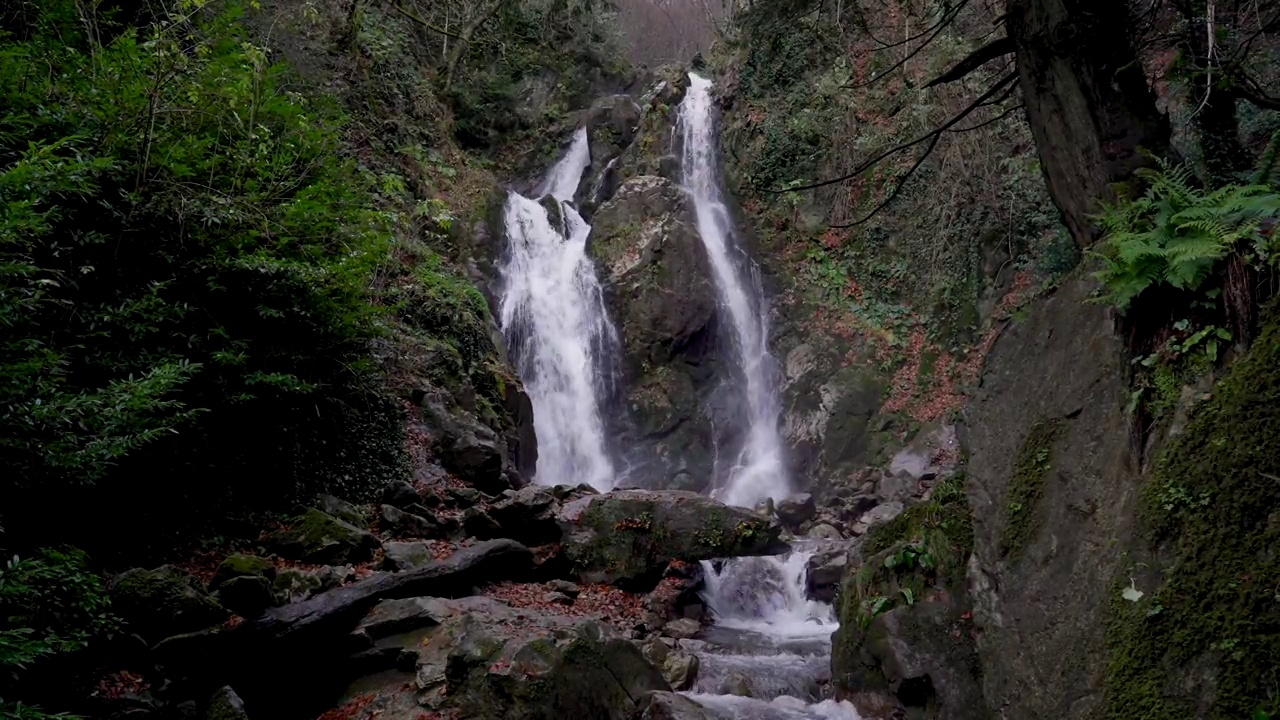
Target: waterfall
[(554, 319), (769, 637), (759, 465)]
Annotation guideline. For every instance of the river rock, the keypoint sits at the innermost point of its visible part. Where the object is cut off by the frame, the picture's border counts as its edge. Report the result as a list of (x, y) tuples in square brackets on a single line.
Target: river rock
[(672, 706), (296, 585), (163, 601), (318, 537), (737, 683), (463, 497), (629, 537), (247, 595), (565, 587), (681, 629), (241, 565), (681, 670), (824, 531), (794, 511), (825, 571)]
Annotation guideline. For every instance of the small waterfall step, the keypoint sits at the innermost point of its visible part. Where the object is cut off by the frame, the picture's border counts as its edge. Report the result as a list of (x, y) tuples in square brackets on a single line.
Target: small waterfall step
[(768, 641)]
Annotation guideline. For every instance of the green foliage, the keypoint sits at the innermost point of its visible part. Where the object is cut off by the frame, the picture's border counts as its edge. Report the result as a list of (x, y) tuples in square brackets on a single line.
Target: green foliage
[(1177, 235), (184, 259), (51, 606), (1204, 638)]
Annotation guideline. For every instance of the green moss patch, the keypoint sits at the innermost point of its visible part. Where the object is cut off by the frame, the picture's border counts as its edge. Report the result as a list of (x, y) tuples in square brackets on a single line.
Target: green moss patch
[(1206, 643), (1021, 509)]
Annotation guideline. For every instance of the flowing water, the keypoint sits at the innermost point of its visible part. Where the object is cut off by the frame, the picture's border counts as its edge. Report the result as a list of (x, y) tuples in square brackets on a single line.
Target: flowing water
[(758, 465), (768, 640), (554, 319)]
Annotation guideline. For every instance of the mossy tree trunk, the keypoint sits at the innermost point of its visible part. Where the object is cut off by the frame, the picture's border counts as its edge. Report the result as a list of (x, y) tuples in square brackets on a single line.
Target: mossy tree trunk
[(1091, 112)]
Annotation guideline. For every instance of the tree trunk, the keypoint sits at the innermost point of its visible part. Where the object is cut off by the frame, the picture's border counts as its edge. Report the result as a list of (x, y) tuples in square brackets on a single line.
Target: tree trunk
[(1092, 114)]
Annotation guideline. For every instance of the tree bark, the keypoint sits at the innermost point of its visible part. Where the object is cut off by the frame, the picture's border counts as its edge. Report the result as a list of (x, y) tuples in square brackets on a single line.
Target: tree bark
[(1092, 114)]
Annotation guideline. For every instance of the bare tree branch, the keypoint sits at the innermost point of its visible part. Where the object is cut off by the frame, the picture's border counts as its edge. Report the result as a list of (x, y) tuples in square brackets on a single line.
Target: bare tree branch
[(931, 135), (898, 185), (975, 60), (938, 28), (422, 21)]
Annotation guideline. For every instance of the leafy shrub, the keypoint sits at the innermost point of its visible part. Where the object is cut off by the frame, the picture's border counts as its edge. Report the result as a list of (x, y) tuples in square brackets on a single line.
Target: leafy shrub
[(184, 261), (1178, 235), (51, 606)]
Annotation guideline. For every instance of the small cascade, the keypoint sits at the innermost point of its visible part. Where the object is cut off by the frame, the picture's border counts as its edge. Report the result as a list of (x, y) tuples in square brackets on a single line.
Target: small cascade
[(758, 469), (768, 640), (555, 321)]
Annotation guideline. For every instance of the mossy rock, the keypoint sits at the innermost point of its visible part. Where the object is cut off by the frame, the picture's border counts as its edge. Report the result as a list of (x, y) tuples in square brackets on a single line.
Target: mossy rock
[(1203, 638), (317, 537), (628, 537), (241, 565), (163, 602)]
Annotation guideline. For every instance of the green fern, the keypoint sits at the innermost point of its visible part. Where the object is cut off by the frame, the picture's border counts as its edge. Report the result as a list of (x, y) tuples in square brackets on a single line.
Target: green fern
[(1177, 234)]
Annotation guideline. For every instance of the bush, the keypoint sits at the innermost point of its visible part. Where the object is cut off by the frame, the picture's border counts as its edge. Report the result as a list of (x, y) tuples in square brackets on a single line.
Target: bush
[(184, 262), (52, 607)]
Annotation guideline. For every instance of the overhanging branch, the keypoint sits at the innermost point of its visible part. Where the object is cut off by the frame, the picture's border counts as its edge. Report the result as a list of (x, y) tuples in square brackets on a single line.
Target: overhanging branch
[(933, 135), (975, 60)]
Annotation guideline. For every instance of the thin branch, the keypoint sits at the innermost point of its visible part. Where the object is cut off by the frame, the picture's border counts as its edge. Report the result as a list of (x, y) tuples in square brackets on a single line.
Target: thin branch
[(946, 17), (897, 189), (422, 21), (974, 60), (941, 25), (985, 123), (932, 134)]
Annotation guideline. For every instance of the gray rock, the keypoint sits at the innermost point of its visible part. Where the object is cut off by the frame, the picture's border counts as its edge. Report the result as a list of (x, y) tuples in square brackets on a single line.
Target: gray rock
[(824, 532), (672, 706), (881, 514), (681, 670), (682, 628), (163, 601), (295, 585), (226, 705), (464, 497), (528, 515), (398, 556), (915, 651), (557, 598), (825, 571), (401, 615), (401, 494), (899, 487), (246, 595), (403, 524), (343, 510), (478, 524), (565, 587), (317, 537), (239, 565), (738, 683), (796, 510)]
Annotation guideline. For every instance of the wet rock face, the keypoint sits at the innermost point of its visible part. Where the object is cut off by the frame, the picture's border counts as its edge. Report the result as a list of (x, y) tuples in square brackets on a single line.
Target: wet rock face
[(1041, 610)]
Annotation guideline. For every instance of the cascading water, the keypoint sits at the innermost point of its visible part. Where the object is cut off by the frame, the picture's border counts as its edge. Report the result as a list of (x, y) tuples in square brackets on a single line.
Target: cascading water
[(554, 318), (768, 639), (759, 465)]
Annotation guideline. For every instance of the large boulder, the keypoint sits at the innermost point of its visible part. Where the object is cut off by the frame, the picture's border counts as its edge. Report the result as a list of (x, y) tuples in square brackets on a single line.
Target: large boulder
[(226, 705), (826, 569), (163, 601), (318, 537), (795, 511), (528, 515), (404, 524), (488, 660), (923, 654), (628, 537)]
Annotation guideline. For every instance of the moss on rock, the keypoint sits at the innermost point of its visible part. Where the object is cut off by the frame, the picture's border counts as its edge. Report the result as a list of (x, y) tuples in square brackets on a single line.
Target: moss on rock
[(1021, 509), (1205, 641)]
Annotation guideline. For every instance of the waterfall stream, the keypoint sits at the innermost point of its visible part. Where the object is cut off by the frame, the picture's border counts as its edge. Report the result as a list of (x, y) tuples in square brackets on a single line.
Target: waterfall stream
[(554, 319), (758, 469), (769, 640)]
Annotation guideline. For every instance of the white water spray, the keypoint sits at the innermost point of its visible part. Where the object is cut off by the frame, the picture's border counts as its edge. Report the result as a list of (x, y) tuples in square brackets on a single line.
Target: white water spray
[(759, 466), (554, 316)]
